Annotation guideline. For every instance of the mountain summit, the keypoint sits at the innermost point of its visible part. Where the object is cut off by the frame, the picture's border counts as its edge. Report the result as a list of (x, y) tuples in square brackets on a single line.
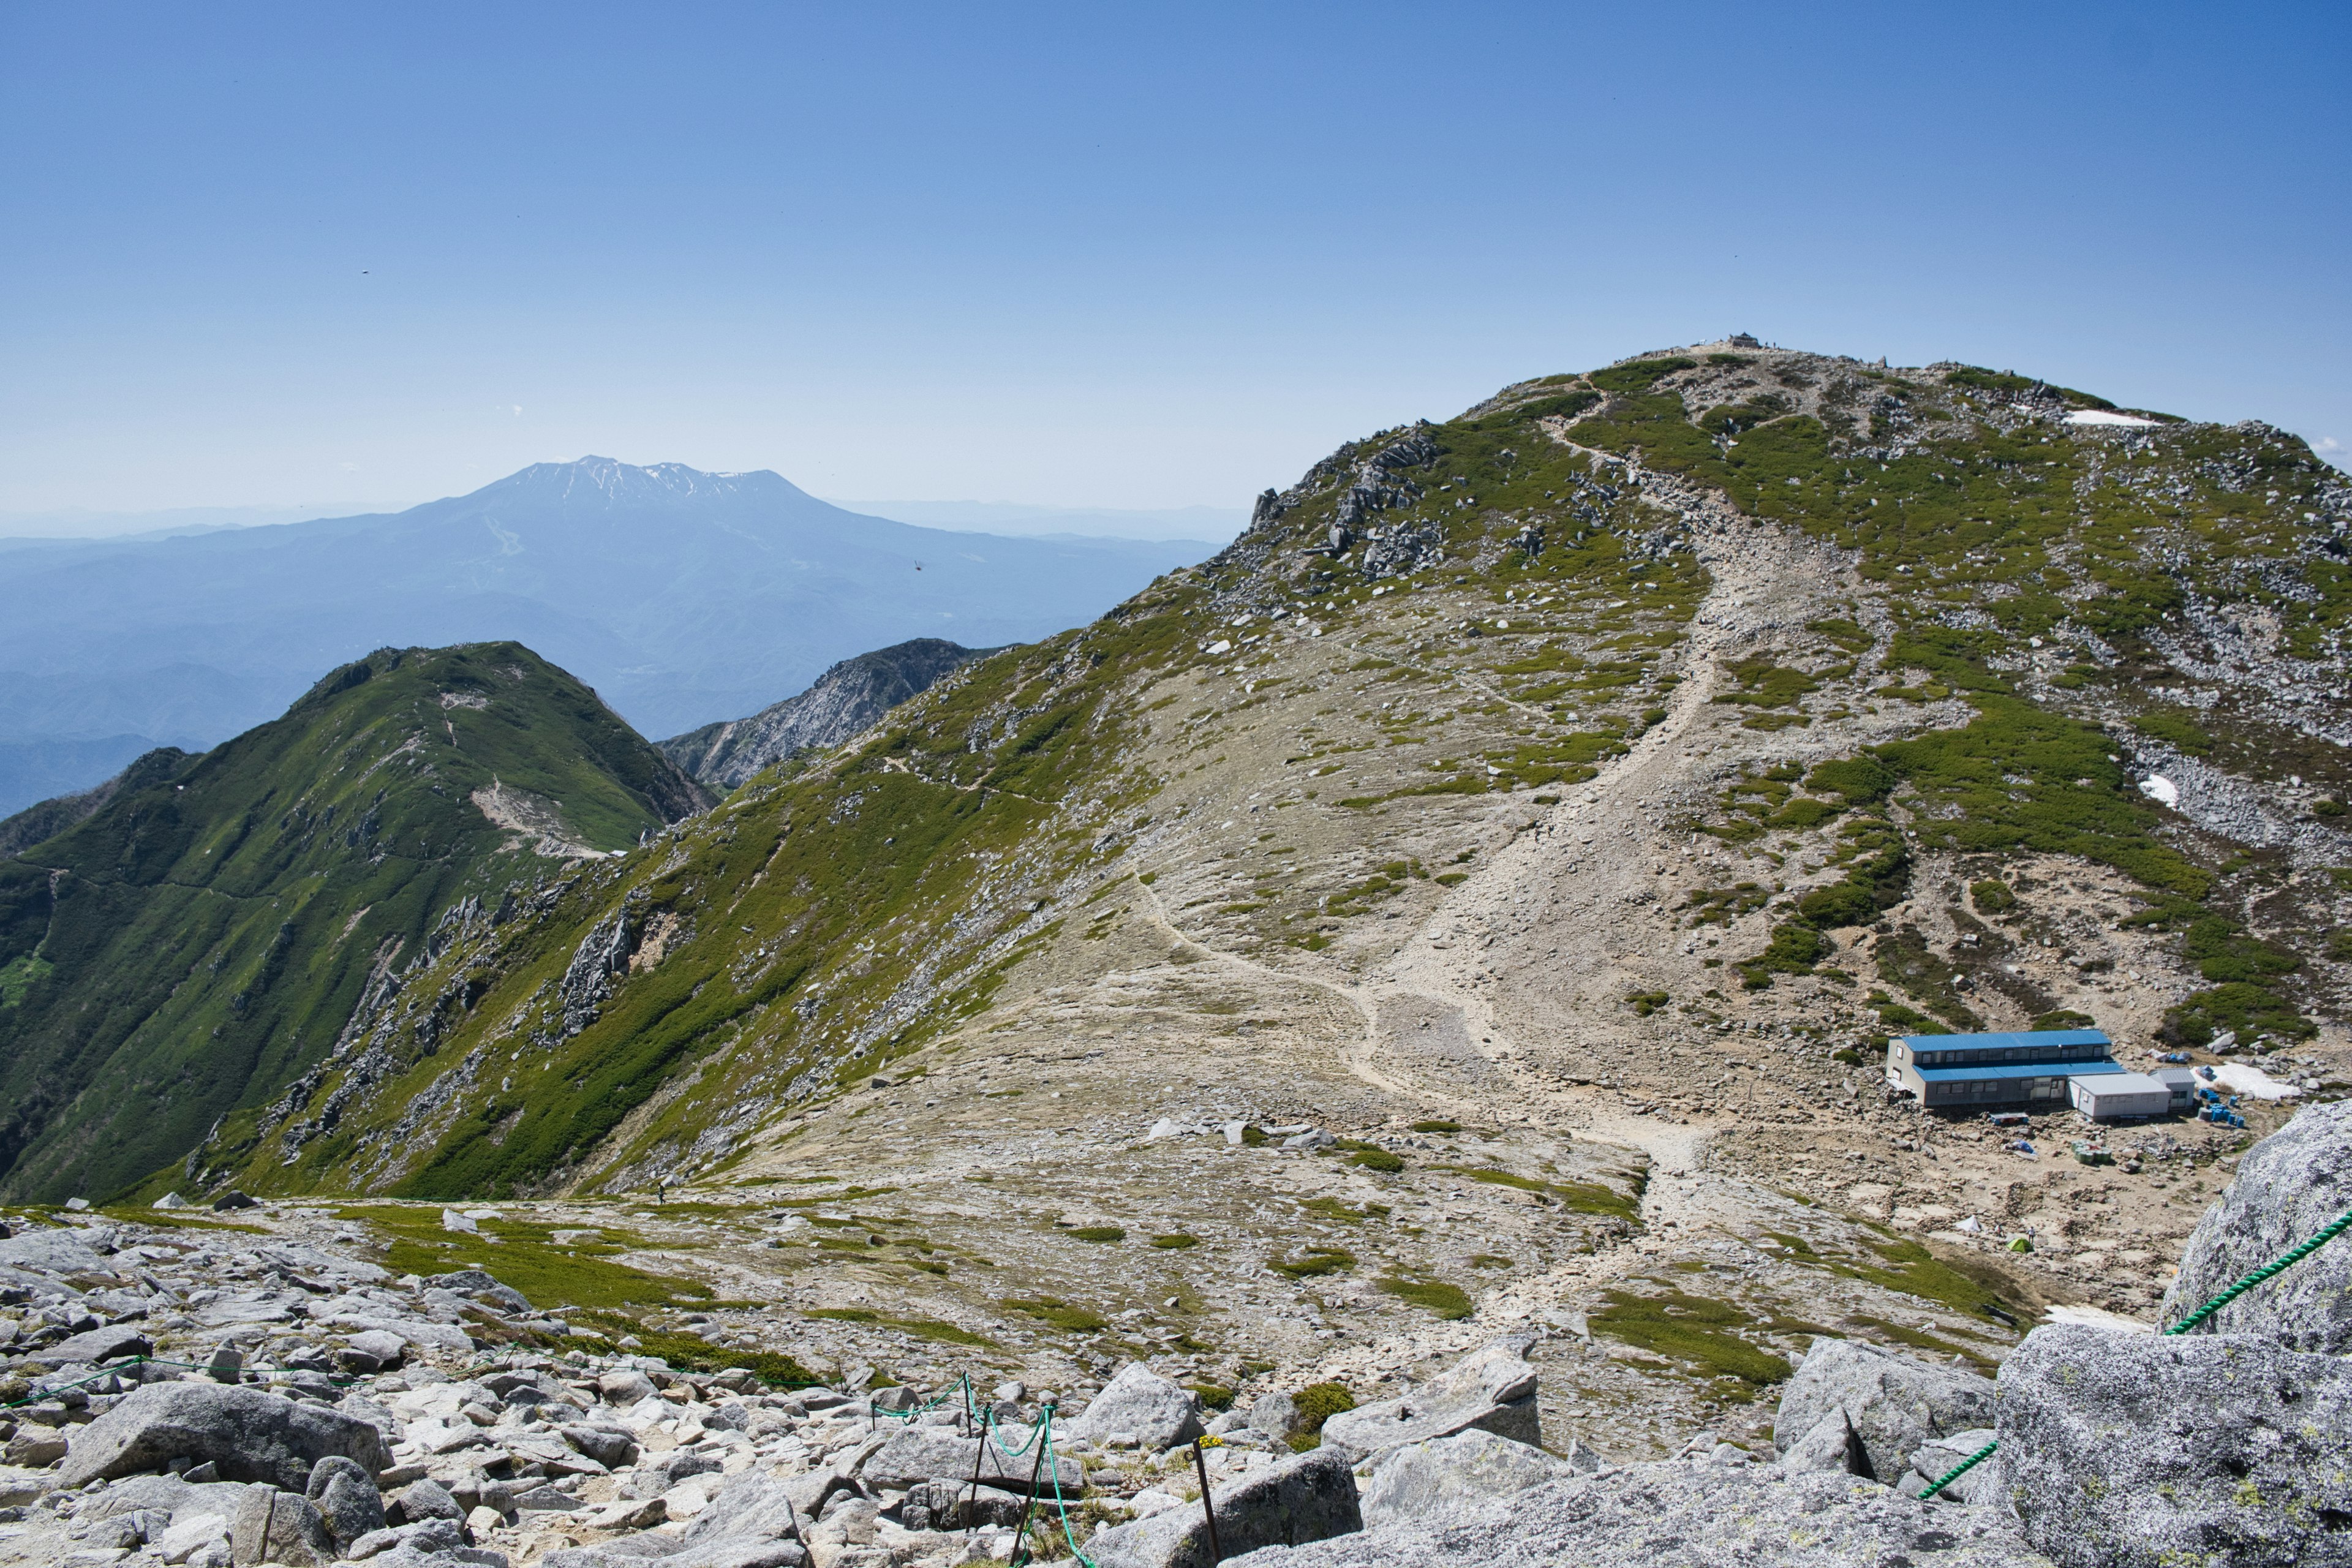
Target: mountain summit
[(683, 598)]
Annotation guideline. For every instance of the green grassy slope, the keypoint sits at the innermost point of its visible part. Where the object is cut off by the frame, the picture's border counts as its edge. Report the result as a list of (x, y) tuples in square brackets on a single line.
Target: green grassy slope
[(650, 1012), (174, 962)]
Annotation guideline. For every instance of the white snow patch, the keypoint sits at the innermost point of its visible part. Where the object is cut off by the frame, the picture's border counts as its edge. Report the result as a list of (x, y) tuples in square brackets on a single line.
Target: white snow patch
[(2248, 1078), (2106, 416), (2159, 789)]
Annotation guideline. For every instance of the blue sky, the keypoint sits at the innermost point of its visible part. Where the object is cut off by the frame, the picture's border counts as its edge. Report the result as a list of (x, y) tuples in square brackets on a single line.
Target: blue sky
[(1104, 256)]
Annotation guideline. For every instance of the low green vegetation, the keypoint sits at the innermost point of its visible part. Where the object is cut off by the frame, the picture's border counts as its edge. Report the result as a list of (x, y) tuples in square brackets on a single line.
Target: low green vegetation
[(691, 1353), (1058, 1314), (1690, 1329), (1315, 1404), (1175, 1241), (1447, 1301), (524, 1256), (1098, 1233), (1314, 1262)]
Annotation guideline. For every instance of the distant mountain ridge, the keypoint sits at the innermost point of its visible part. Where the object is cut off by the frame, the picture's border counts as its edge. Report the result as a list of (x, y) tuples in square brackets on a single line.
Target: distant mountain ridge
[(178, 951), (843, 702), (682, 597)]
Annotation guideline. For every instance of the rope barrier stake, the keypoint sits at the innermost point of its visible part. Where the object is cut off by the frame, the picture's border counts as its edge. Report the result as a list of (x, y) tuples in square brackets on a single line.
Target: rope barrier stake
[(1021, 1532), (979, 1453), (1208, 1508)]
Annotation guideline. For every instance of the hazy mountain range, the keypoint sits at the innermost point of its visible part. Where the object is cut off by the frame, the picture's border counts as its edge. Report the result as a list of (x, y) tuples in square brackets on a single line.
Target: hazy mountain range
[(683, 598)]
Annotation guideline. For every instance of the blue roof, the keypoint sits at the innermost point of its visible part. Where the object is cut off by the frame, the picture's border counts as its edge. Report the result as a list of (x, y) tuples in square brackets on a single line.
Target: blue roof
[(2017, 1070), (2006, 1042)]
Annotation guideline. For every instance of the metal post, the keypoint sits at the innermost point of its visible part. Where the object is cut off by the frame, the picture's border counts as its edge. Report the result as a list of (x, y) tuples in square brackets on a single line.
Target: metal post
[(1208, 1509), (1020, 1531), (971, 1505)]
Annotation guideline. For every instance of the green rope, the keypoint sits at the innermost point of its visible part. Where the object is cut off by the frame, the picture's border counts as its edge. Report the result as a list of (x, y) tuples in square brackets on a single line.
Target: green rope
[(2182, 1327), (1963, 1469), (1053, 1467), (908, 1414), (2259, 1275)]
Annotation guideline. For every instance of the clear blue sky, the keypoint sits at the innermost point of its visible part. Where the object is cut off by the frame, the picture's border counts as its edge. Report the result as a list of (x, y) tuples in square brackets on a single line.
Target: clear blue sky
[(1103, 254)]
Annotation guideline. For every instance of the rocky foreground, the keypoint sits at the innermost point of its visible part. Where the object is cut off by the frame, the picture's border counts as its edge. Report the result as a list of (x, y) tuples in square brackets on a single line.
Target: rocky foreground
[(381, 1424)]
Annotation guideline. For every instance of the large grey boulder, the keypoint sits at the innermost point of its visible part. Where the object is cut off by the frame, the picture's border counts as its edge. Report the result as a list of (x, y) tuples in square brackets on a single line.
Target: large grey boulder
[(1683, 1514), (1893, 1403), (1407, 1482), (345, 1497), (1157, 1412), (1493, 1389), (926, 1453), (2290, 1186), (248, 1433), (59, 1252), (748, 1523), (1311, 1496), (2122, 1450)]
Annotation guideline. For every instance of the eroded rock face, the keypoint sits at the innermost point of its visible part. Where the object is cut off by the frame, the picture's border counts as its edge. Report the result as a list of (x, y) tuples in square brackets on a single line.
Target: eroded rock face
[(1407, 1482), (1493, 1389), (1893, 1402), (2290, 1186), (1310, 1498), (248, 1433), (1157, 1414), (1691, 1514), (2124, 1451)]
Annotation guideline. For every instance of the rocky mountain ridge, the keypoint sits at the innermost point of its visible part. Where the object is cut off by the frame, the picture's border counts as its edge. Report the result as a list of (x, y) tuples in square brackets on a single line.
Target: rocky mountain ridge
[(1477, 898), (844, 700)]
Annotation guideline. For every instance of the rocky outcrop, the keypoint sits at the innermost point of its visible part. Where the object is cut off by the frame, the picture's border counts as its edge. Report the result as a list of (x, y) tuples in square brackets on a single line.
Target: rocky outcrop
[(1310, 1498), (2290, 1186), (1142, 1407), (1407, 1482), (1690, 1514), (1493, 1389), (844, 701), (1889, 1403), (2136, 1451), (245, 1434)]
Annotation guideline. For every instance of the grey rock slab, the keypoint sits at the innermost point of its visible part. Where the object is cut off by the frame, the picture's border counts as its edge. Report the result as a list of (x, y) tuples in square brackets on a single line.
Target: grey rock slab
[(1158, 1412), (2129, 1449), (52, 1252), (273, 1526), (248, 1434), (2290, 1186), (1894, 1404), (925, 1453), (1683, 1514), (1493, 1389), (1311, 1496), (1938, 1458), (95, 1347), (1407, 1482)]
